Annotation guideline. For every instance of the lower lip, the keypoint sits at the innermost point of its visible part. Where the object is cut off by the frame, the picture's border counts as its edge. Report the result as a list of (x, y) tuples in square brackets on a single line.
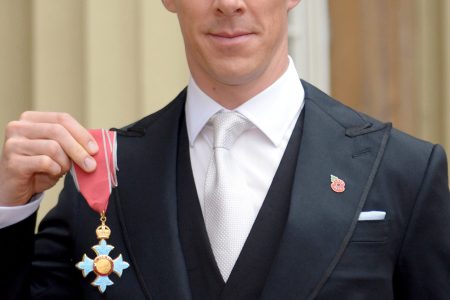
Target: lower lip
[(231, 41)]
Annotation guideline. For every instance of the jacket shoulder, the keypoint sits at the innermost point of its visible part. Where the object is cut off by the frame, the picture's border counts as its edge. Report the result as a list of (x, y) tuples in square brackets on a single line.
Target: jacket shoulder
[(139, 128), (357, 123), (354, 122)]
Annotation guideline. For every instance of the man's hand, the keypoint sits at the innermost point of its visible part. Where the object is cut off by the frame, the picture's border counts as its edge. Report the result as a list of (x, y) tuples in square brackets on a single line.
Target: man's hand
[(38, 150)]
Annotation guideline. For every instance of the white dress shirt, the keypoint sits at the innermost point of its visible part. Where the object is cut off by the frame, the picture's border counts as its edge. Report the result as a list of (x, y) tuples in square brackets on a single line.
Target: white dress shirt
[(258, 151), (273, 113)]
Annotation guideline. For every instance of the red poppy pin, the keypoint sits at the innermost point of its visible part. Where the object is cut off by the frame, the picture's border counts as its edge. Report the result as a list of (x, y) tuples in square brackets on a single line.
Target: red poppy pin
[(337, 184)]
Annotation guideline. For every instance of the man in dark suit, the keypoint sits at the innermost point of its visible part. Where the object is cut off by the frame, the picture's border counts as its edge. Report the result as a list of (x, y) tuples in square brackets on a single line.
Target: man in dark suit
[(331, 204)]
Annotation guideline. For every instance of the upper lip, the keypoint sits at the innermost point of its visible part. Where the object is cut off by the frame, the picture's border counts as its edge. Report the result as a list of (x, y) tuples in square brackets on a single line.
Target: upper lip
[(228, 34)]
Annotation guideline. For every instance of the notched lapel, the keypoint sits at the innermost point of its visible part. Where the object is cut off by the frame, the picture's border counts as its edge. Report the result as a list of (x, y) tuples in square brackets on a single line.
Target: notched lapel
[(146, 201), (321, 221)]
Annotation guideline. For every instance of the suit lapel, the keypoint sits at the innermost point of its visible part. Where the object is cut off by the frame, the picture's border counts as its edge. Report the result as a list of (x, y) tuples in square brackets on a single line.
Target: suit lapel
[(146, 201), (320, 221)]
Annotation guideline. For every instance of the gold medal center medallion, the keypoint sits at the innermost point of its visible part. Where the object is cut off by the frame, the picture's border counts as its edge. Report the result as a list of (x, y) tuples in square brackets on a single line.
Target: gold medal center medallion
[(103, 265)]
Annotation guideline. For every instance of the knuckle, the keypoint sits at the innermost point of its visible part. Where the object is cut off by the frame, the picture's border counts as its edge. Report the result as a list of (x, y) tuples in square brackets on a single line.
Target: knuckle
[(7, 157), (11, 128), (10, 145), (63, 118), (53, 148), (65, 166), (78, 152), (12, 165), (56, 130), (44, 162), (25, 115)]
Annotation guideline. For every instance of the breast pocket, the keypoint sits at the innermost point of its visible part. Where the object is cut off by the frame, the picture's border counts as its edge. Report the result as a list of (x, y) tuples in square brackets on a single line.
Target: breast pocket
[(370, 232)]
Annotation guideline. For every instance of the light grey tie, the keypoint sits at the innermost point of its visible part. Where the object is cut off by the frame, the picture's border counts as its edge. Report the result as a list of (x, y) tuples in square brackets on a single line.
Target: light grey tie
[(226, 210)]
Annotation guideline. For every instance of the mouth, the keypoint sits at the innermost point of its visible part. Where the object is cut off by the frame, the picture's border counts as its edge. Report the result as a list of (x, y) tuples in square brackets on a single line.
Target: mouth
[(230, 35), (231, 38)]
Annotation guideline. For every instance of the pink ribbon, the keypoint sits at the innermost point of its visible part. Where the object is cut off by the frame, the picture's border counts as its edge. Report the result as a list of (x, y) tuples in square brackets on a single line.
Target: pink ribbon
[(96, 186)]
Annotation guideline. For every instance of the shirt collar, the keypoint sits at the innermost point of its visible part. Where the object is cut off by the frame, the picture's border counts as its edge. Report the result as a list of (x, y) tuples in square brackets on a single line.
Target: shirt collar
[(271, 111)]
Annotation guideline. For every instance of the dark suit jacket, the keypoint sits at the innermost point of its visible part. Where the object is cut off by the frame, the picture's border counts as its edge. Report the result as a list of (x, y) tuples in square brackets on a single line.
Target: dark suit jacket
[(324, 253)]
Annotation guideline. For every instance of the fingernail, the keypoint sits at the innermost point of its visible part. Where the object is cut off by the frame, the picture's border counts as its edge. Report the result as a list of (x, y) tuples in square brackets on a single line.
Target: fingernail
[(92, 147), (89, 164)]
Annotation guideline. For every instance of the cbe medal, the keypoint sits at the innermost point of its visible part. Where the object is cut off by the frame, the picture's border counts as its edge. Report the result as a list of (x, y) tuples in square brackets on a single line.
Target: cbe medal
[(103, 265), (96, 188)]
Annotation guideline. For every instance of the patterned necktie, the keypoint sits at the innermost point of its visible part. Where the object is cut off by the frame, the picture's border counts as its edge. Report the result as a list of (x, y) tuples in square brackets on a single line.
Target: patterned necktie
[(226, 211)]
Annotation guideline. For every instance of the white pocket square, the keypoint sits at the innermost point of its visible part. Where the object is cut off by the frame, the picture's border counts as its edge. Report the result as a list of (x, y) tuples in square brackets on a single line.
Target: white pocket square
[(372, 215)]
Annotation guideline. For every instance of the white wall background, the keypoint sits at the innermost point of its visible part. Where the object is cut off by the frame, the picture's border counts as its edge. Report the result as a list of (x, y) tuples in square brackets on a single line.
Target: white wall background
[(309, 37)]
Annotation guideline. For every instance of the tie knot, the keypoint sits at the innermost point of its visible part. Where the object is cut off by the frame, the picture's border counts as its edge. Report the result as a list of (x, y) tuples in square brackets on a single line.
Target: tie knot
[(228, 126)]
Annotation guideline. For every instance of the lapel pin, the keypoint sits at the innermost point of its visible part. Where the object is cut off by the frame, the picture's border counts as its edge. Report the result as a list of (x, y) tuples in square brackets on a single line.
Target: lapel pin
[(337, 184)]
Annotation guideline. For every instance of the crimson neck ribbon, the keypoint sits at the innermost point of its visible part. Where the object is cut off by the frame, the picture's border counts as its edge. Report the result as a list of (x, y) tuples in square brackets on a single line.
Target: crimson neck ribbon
[(96, 186)]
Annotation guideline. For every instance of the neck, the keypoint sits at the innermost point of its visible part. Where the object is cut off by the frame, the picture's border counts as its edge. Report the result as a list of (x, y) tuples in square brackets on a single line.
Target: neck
[(231, 95)]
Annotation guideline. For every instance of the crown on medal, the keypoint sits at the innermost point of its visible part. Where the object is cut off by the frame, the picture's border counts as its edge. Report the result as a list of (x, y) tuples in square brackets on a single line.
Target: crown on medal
[(103, 232)]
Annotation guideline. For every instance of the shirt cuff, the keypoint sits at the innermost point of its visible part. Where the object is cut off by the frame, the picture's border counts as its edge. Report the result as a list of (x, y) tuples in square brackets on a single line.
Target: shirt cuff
[(10, 215)]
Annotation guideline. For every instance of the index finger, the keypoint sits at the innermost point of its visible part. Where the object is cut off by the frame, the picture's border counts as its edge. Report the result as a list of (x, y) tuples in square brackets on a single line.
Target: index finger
[(78, 132)]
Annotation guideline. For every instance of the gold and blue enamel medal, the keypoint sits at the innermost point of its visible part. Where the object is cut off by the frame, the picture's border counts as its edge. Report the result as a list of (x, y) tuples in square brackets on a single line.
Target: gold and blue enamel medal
[(96, 188), (102, 265)]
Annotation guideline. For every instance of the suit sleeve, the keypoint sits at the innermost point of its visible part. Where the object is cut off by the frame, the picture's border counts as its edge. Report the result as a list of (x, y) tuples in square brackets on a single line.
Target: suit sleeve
[(16, 251), (41, 266), (423, 268)]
